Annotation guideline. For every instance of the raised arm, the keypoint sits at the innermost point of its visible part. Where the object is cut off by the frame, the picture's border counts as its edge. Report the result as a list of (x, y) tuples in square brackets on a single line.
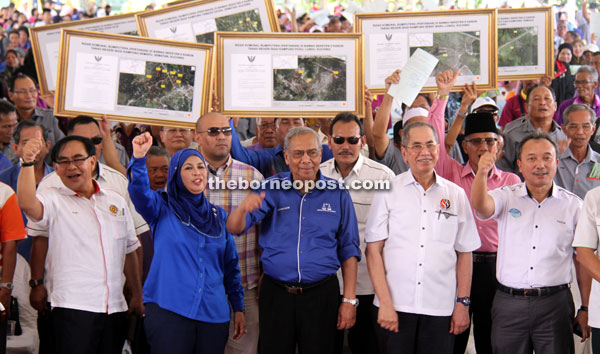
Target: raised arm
[(26, 186), (481, 201), (368, 121), (382, 118), (145, 200), (109, 151), (469, 95)]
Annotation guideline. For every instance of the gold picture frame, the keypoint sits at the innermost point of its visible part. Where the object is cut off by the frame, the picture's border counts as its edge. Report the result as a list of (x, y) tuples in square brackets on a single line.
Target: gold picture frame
[(176, 22), (536, 21), (290, 74), (133, 79), (390, 37), (45, 42)]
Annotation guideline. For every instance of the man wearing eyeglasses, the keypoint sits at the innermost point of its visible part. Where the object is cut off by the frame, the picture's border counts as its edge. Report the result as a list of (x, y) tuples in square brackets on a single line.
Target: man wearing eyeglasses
[(88, 252), (266, 134), (213, 135), (481, 136), (23, 93), (175, 139), (308, 230), (576, 163), (346, 139), (586, 81), (8, 122), (419, 243)]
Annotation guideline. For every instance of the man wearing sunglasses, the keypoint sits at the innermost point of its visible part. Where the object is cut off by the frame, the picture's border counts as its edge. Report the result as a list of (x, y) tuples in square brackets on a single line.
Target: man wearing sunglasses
[(271, 161), (346, 139), (481, 136), (213, 135)]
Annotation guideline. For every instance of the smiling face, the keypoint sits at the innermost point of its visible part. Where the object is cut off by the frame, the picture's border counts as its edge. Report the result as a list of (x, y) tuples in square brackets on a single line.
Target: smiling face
[(24, 94), (537, 163), (577, 49), (194, 174), (303, 155), (76, 175), (585, 86), (541, 103), (565, 55), (421, 150)]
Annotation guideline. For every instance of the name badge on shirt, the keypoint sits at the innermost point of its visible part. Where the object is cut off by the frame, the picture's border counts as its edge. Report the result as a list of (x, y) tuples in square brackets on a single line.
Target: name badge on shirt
[(595, 172)]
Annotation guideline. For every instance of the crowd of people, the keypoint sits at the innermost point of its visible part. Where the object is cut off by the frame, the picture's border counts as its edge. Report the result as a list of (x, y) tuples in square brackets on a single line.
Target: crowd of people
[(392, 233)]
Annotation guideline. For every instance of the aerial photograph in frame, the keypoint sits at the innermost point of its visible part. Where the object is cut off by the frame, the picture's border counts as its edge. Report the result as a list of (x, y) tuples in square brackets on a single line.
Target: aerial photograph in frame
[(247, 21), (518, 46), (312, 78), (156, 85), (454, 50)]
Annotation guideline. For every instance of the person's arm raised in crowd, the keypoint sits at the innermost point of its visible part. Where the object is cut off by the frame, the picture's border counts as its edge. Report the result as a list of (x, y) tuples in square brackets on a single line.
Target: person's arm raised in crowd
[(26, 186), (109, 152), (444, 81), (145, 200), (585, 11), (469, 95), (293, 20), (382, 118), (368, 120), (481, 201)]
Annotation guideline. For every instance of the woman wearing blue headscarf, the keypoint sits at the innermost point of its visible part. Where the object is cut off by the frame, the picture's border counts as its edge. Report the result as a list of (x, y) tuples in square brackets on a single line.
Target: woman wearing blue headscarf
[(195, 269)]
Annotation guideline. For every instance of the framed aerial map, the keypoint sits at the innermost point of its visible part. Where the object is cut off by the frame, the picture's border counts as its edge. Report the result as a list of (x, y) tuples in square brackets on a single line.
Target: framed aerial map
[(197, 21), (289, 74), (133, 79), (45, 42), (462, 40), (525, 43)]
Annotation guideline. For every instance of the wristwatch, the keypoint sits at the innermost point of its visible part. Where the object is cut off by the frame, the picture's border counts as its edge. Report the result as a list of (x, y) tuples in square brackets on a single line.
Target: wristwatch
[(8, 286), (441, 97), (35, 283), (26, 164), (464, 300), (353, 302)]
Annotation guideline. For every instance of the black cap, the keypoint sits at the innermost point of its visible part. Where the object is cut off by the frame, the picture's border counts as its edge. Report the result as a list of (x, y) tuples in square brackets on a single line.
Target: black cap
[(481, 122)]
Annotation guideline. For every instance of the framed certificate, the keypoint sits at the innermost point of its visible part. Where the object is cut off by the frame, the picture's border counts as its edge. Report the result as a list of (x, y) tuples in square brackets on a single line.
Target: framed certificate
[(197, 21), (289, 74), (462, 40), (133, 79), (45, 41), (525, 43)]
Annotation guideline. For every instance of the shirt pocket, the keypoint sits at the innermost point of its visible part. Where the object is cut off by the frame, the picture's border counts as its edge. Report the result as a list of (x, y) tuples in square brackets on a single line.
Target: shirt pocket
[(444, 231), (115, 226)]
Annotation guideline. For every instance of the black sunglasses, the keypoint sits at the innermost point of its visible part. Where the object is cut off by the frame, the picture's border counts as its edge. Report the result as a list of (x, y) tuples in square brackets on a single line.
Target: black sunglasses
[(215, 131), (351, 140)]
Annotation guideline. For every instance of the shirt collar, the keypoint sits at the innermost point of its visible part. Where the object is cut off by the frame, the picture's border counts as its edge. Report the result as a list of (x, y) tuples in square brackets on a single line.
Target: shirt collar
[(594, 105), (224, 167), (68, 191), (356, 168), (524, 192), (532, 128), (591, 155), (408, 178)]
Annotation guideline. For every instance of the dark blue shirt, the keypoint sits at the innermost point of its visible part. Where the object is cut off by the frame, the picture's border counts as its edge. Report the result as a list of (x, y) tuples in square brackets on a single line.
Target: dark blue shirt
[(268, 161), (305, 238), (191, 274)]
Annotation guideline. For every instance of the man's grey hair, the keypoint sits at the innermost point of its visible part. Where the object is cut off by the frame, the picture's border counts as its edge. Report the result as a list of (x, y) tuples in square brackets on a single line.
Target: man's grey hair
[(297, 131), (277, 120), (158, 151), (411, 126), (576, 108), (590, 70)]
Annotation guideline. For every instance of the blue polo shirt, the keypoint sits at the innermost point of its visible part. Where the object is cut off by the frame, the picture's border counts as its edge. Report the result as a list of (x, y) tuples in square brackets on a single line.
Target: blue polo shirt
[(305, 238)]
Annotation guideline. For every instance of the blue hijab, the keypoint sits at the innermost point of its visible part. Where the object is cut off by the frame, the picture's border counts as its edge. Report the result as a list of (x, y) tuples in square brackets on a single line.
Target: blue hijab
[(191, 209)]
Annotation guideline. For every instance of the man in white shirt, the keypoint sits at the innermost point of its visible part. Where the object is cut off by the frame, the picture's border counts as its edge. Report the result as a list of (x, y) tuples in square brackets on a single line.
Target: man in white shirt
[(91, 243), (419, 243), (358, 173), (533, 307)]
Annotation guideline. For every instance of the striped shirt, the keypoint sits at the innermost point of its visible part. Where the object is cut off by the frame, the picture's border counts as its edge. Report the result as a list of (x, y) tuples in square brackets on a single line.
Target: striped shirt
[(229, 199)]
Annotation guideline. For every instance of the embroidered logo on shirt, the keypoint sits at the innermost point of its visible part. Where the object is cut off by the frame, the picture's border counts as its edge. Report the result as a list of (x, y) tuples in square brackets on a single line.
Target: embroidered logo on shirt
[(445, 204), (515, 213), (113, 209), (326, 207)]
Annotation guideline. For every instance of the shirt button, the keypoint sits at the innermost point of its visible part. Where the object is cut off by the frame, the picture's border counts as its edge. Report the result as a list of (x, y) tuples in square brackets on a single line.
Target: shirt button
[(424, 211), (199, 290), (536, 226), (422, 246), (200, 259), (419, 283), (539, 206), (425, 194), (420, 264), (423, 228), (201, 275), (530, 267), (533, 247)]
